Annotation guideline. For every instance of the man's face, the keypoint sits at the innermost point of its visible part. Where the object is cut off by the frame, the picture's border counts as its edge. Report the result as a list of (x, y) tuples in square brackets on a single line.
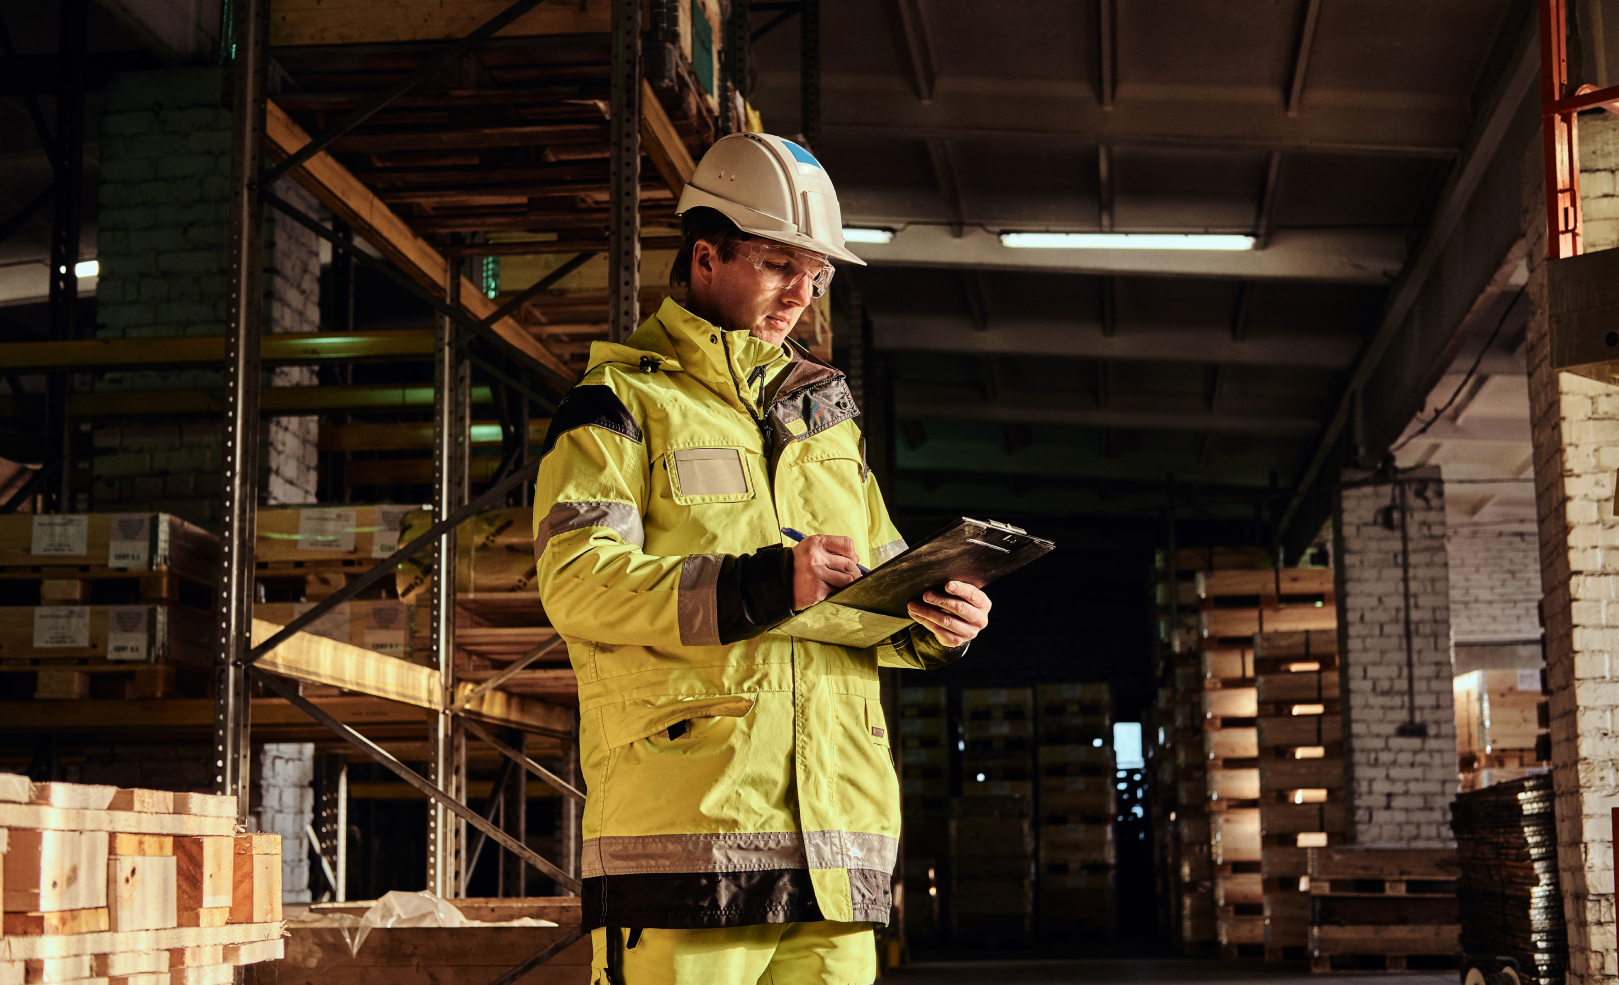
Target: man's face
[(762, 289)]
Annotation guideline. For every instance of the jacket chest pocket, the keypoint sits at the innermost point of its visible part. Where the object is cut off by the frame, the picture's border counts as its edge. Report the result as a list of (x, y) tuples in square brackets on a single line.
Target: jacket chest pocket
[(709, 475)]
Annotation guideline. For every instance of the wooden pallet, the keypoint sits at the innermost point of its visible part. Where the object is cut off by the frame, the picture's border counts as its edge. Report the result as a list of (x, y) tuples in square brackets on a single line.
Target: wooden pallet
[(1383, 907), (112, 545), (98, 633)]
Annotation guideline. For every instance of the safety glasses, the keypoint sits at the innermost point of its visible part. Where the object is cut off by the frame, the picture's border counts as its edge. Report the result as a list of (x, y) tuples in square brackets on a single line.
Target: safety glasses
[(782, 266)]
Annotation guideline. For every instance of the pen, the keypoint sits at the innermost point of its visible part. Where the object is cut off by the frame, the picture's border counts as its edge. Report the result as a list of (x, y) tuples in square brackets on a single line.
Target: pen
[(795, 536)]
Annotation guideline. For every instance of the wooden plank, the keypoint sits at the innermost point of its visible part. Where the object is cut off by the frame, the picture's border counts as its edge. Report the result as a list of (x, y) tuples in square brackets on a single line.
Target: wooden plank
[(1386, 939), (1294, 581), (15, 789), (219, 974), (318, 660), (47, 971), (58, 819), (1356, 862), (57, 925), (335, 22), (203, 877), (196, 956), (76, 796), (662, 143), (500, 708), (21, 948), (141, 892), (131, 963), (145, 801), (205, 804), (255, 952), (55, 871), (355, 204), (148, 845), (255, 887)]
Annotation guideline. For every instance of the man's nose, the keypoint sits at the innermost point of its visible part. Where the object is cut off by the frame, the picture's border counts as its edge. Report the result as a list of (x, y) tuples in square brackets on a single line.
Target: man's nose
[(800, 292)]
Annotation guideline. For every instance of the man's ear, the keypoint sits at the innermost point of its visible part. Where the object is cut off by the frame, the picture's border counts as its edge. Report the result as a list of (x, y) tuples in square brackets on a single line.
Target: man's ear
[(702, 263)]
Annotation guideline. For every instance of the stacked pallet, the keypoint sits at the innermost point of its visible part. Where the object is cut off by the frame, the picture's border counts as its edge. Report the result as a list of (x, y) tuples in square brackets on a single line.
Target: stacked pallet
[(992, 898), (137, 887), (925, 793), (307, 553), (1301, 775), (1230, 749), (99, 605), (1383, 909), (1077, 804), (1501, 726), (1511, 900), (992, 870)]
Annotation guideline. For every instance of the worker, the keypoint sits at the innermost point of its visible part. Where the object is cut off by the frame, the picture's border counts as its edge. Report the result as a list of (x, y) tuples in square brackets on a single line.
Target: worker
[(742, 814)]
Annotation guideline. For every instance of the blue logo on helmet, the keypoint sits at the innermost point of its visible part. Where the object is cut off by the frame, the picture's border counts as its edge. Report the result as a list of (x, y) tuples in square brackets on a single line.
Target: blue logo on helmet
[(802, 156)]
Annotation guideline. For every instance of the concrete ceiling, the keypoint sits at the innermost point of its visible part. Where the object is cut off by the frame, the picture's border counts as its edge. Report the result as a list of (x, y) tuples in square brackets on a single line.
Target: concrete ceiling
[(1080, 380)]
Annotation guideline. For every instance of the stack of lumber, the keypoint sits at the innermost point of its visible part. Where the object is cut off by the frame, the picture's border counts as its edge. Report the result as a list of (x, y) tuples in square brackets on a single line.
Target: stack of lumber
[(142, 887), (992, 870), (1301, 775), (925, 752), (1501, 726), (1388, 909), (1511, 900), (105, 605), (318, 951), (1077, 805)]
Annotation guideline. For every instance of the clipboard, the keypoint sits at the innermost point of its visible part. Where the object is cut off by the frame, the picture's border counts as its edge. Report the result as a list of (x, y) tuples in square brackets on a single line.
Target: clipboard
[(874, 607)]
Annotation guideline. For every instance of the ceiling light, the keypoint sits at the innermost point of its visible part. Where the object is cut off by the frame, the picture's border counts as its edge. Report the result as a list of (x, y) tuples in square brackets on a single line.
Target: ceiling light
[(1127, 241), (861, 234), (86, 268)]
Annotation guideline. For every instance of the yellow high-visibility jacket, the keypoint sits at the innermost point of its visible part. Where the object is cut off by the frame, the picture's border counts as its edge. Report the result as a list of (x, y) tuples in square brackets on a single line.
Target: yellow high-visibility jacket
[(734, 775)]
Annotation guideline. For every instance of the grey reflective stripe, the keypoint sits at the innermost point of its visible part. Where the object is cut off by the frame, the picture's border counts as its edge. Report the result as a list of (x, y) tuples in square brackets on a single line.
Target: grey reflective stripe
[(887, 552), (732, 852), (698, 607), (621, 518)]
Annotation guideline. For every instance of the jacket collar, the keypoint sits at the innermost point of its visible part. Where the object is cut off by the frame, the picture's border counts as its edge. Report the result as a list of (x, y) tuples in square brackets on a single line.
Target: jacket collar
[(734, 365)]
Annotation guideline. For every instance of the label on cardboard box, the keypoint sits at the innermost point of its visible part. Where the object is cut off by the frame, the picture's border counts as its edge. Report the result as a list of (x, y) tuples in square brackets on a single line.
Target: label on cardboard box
[(60, 536), (129, 540), (385, 538), (61, 625), (326, 530), (387, 624), (129, 633)]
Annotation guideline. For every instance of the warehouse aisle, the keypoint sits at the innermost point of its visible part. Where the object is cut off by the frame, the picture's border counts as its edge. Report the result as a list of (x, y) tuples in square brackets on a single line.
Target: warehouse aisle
[(1131, 971)]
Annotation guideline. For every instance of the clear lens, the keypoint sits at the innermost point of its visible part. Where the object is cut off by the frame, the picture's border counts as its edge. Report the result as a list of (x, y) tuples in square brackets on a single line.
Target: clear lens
[(783, 266)]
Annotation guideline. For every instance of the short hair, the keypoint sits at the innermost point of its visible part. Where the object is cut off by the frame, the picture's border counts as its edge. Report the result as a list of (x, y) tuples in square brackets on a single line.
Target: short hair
[(704, 223)]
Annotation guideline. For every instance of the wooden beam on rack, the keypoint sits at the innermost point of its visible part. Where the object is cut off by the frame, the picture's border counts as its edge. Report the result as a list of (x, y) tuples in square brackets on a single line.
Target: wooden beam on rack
[(413, 436), (350, 200), (318, 660), (662, 143)]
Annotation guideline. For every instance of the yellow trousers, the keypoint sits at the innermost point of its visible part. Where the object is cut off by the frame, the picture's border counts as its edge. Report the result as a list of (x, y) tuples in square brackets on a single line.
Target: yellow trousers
[(819, 953)]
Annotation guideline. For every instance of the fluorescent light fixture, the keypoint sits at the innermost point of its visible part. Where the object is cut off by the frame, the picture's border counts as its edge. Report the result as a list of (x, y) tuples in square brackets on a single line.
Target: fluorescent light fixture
[(87, 268), (1126, 241), (862, 234)]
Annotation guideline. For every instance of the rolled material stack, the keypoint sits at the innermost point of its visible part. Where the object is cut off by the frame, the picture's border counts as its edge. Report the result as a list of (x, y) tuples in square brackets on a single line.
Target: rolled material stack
[(1511, 900)]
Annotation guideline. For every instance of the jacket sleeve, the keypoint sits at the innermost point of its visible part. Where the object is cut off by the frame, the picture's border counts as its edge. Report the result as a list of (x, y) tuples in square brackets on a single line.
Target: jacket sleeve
[(913, 648), (593, 573)]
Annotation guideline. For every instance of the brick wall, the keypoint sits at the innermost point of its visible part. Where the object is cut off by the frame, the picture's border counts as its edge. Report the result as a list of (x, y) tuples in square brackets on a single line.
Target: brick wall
[(1494, 598), (165, 192), (1575, 426), (287, 806), (1399, 786)]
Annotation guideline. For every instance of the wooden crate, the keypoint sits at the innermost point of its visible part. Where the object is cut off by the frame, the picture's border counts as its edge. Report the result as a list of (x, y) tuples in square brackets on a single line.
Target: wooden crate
[(1224, 624), (318, 952), (1266, 586)]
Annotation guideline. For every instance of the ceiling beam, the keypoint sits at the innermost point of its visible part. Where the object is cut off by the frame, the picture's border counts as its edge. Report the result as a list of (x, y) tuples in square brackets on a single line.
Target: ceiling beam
[(1080, 338), (967, 403), (917, 46), (1301, 54), (1104, 188), (1515, 86), (944, 175), (1341, 256), (1067, 111), (1107, 54)]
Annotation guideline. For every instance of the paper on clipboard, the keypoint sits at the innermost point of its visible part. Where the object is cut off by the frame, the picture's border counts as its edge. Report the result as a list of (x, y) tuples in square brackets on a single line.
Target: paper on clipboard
[(875, 607)]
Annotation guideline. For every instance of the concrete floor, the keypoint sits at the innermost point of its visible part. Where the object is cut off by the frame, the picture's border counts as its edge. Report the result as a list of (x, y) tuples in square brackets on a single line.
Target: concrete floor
[(1171, 971)]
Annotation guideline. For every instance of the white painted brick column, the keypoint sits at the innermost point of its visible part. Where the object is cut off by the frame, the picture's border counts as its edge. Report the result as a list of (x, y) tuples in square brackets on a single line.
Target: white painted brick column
[(287, 795), (1399, 785), (1575, 425)]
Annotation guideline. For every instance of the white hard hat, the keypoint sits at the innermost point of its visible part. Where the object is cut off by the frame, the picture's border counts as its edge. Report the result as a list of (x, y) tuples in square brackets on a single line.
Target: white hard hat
[(773, 188)]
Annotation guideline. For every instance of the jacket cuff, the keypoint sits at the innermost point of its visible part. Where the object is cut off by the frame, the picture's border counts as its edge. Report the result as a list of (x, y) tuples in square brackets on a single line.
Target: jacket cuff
[(754, 591)]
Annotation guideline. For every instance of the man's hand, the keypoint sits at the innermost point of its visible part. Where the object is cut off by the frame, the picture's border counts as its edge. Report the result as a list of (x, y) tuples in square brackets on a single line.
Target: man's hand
[(955, 615), (822, 564)]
